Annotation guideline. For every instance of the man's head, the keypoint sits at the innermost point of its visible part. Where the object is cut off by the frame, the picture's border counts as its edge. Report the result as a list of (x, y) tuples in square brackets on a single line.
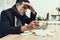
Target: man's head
[(21, 6), (20, 1)]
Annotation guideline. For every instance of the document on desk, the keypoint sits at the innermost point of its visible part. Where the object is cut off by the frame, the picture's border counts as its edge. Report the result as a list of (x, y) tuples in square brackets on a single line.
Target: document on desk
[(26, 33), (47, 32), (44, 33)]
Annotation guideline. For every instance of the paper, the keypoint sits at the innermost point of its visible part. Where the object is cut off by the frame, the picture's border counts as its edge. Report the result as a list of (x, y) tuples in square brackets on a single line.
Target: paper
[(26, 33), (41, 32)]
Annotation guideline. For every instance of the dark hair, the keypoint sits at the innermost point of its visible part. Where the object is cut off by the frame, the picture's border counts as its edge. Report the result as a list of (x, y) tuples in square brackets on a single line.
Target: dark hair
[(20, 1)]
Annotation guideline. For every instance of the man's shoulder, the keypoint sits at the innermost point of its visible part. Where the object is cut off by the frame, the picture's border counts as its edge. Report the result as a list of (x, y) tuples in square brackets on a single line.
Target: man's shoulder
[(7, 11)]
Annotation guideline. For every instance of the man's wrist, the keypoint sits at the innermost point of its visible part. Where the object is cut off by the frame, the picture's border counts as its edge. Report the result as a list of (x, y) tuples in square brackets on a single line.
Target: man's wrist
[(33, 12), (24, 28)]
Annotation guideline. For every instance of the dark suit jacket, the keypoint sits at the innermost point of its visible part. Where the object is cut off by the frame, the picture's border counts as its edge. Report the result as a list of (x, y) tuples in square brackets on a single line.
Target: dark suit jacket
[(8, 21)]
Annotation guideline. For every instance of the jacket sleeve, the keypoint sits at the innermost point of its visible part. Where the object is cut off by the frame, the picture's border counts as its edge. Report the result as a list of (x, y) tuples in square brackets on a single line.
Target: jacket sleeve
[(32, 17), (6, 27)]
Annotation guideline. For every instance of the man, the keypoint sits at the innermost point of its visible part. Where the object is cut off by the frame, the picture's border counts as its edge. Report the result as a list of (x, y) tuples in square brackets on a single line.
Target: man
[(13, 20)]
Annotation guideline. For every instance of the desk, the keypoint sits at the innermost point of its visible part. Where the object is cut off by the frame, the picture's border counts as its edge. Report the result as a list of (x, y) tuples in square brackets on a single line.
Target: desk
[(55, 15), (31, 37)]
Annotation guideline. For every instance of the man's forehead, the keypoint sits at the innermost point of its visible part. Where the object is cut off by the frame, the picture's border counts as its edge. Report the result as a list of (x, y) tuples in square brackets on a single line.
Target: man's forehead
[(24, 2)]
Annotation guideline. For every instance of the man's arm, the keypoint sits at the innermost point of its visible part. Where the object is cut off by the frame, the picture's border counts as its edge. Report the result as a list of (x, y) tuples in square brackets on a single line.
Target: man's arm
[(33, 13), (32, 17)]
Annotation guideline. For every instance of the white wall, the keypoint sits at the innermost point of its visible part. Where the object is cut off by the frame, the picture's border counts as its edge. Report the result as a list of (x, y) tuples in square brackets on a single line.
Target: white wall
[(1, 4), (5, 4), (41, 6), (44, 6)]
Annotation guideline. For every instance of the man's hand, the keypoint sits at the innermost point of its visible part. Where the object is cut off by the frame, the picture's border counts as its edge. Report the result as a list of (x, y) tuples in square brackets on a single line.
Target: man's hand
[(24, 28), (34, 25), (29, 6)]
